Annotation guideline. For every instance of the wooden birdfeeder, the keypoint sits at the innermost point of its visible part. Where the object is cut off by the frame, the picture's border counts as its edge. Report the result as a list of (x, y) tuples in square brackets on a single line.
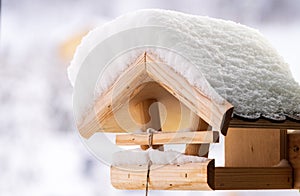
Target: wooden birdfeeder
[(158, 97)]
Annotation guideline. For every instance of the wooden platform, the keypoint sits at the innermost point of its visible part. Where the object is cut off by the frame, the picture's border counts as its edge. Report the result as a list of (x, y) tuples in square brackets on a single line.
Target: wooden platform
[(190, 176), (201, 176)]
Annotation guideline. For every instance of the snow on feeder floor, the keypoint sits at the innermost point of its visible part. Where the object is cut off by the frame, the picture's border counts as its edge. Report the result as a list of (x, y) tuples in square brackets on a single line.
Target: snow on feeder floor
[(171, 71), (168, 170)]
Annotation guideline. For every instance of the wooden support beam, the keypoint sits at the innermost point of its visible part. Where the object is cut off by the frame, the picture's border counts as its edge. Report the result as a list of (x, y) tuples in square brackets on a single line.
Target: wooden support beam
[(169, 138), (190, 176), (198, 149), (294, 156), (264, 123), (247, 178), (147, 117)]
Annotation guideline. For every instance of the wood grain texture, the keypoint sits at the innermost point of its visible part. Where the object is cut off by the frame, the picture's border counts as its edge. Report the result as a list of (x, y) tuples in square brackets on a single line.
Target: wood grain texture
[(111, 113), (172, 113), (169, 138), (263, 123), (206, 108), (190, 176), (254, 147), (245, 178), (294, 156), (131, 177), (201, 176), (111, 109), (198, 149), (148, 117)]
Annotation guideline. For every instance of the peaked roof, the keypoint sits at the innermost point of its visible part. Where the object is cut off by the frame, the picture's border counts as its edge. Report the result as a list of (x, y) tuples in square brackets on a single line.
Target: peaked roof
[(113, 105), (236, 61)]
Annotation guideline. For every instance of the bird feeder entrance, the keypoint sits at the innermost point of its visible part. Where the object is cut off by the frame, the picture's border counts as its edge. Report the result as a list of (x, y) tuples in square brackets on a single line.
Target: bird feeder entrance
[(151, 95), (152, 106)]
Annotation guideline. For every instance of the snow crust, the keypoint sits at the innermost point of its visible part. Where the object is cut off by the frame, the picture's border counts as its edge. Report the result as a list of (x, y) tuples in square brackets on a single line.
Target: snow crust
[(225, 60), (141, 157)]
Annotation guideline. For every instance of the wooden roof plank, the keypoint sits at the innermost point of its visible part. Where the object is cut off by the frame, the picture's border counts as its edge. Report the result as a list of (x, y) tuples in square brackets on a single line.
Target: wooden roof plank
[(216, 115)]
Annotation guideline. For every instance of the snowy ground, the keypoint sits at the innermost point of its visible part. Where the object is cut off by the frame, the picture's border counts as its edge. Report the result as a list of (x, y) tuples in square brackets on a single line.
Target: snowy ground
[(41, 153)]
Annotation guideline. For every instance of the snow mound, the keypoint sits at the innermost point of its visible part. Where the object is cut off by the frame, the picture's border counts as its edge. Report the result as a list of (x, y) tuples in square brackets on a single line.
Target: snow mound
[(140, 157), (236, 61)]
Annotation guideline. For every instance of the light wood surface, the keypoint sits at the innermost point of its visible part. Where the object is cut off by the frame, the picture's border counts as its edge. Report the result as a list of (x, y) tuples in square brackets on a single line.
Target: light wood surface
[(131, 177), (190, 176), (198, 149), (147, 113), (172, 113), (169, 138), (216, 115), (294, 156), (111, 111), (253, 147), (201, 176), (246, 178)]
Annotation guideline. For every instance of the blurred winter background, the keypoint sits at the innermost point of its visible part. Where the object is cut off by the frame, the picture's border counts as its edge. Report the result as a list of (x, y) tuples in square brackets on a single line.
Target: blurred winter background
[(41, 153)]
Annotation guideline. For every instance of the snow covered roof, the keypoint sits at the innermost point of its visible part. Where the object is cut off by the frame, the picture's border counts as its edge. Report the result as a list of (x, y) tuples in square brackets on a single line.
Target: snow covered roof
[(236, 61)]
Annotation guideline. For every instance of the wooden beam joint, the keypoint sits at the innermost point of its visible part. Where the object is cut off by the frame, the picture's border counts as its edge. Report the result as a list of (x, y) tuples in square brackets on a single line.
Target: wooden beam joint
[(193, 137)]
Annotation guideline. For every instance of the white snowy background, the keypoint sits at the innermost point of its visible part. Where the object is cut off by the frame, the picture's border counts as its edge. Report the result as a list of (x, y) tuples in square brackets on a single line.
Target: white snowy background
[(41, 153)]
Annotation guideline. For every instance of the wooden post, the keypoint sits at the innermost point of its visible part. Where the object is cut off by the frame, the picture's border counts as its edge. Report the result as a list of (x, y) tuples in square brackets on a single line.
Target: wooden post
[(148, 117), (294, 156), (198, 149)]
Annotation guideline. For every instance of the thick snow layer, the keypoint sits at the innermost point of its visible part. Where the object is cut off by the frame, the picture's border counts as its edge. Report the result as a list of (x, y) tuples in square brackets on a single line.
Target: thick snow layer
[(141, 157), (129, 157), (235, 60)]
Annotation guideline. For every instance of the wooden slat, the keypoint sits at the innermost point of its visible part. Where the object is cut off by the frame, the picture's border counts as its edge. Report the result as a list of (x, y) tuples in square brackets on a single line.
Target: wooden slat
[(294, 156), (216, 115), (245, 178), (201, 176), (254, 147), (190, 176), (263, 123), (169, 138), (198, 149)]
